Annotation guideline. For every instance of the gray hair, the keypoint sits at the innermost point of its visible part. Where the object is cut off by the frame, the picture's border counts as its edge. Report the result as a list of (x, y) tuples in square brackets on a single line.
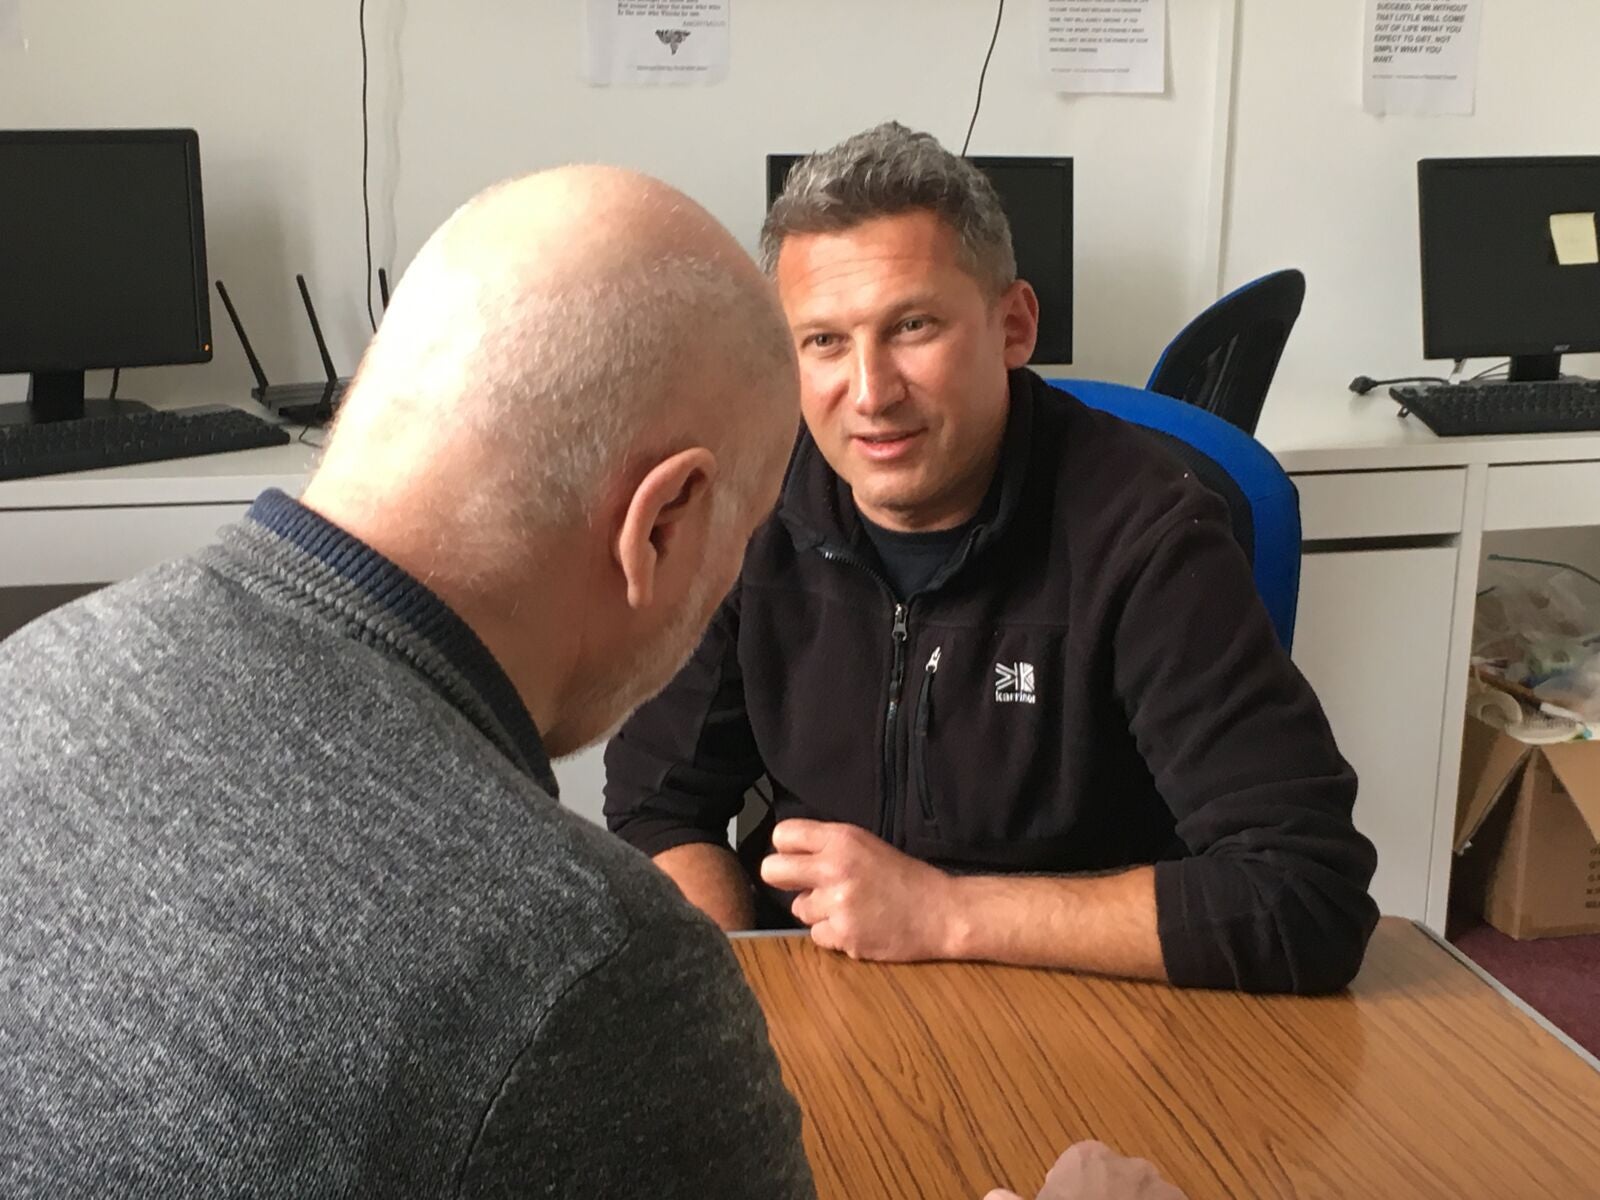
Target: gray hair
[(886, 170)]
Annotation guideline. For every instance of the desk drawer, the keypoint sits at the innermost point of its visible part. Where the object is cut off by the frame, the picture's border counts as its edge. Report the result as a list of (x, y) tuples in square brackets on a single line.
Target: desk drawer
[(102, 545), (1543, 496), (1380, 504)]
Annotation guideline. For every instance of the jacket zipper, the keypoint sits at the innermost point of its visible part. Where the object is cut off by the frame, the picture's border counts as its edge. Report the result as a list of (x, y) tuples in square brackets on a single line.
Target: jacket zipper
[(897, 679), (919, 759), (899, 632)]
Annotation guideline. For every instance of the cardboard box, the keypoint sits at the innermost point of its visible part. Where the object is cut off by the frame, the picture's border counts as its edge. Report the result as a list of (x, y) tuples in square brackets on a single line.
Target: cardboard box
[(1532, 814)]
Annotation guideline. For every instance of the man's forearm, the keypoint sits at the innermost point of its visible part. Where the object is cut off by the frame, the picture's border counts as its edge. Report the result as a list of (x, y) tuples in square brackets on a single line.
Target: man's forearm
[(712, 880), (1105, 924)]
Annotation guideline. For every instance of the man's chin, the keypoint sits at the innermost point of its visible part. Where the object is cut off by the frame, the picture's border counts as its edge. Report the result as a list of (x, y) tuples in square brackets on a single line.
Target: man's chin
[(889, 504), (585, 732), (596, 717), (596, 712)]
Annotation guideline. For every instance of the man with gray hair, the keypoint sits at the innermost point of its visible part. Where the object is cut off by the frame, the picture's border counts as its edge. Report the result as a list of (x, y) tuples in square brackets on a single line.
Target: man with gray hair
[(290, 908), (997, 655)]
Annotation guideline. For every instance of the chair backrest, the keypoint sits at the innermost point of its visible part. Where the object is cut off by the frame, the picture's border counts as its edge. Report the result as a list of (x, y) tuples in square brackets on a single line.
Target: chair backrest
[(1262, 502), (1223, 361)]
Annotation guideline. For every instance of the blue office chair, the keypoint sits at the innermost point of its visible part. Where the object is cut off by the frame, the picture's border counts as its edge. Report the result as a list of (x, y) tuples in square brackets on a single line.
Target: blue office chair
[(1223, 361), (1262, 502)]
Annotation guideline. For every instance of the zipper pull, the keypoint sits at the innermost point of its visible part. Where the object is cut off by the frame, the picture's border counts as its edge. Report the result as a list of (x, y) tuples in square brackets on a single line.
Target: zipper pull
[(899, 622), (925, 697)]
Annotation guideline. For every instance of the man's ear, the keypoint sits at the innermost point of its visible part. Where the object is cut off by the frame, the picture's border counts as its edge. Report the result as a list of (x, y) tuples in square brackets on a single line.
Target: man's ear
[(668, 515), (1019, 315)]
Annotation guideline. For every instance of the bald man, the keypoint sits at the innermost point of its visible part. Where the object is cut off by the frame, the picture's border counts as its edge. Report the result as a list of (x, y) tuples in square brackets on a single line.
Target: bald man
[(289, 907)]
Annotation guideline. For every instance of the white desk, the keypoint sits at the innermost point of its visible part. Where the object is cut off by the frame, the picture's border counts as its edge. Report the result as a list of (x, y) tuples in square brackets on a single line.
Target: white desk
[(99, 526), (1394, 522), (1332, 430)]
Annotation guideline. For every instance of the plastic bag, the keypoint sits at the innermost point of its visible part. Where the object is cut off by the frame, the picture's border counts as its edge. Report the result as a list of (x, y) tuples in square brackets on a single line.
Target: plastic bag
[(1538, 625), (1576, 691)]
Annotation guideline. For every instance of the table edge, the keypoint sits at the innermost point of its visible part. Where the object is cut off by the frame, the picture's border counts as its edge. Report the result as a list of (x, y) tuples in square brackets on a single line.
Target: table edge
[(1501, 989), (1517, 1002), (744, 934)]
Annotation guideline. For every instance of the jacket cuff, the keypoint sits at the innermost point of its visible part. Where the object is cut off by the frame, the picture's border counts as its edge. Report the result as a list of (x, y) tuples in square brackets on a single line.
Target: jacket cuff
[(1191, 957), (653, 837)]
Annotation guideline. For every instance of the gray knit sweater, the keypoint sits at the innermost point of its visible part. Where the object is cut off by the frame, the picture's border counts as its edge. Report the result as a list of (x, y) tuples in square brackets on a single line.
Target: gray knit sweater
[(287, 909)]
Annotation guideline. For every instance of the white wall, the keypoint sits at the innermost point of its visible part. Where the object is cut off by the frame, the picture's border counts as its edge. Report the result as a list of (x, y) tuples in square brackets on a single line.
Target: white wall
[(272, 92), (802, 77), (466, 93), (1319, 184), (582, 778)]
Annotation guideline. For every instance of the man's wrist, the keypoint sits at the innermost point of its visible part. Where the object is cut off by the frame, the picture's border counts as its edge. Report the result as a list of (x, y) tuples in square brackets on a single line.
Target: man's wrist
[(957, 927), (710, 878)]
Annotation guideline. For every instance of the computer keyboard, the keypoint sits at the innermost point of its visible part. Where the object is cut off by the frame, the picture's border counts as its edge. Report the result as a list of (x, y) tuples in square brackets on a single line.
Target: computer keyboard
[(1557, 406), (135, 437)]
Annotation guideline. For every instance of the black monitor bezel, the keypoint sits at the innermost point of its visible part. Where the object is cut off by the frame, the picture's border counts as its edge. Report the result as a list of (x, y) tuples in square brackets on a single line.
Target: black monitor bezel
[(1435, 347), (190, 141)]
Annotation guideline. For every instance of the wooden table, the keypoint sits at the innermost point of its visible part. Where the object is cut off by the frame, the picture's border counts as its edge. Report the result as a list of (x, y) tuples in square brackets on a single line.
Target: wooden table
[(943, 1080)]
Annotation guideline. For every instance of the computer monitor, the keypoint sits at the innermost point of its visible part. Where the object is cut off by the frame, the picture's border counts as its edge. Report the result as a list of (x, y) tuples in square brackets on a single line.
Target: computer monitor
[(102, 260), (1036, 194), (1493, 281)]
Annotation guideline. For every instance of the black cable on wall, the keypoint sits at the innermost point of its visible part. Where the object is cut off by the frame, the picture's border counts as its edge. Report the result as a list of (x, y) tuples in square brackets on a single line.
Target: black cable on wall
[(999, 14)]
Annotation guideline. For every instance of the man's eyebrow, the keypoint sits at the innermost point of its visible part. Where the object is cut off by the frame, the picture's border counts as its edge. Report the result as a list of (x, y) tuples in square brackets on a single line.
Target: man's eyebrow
[(918, 300), (812, 324)]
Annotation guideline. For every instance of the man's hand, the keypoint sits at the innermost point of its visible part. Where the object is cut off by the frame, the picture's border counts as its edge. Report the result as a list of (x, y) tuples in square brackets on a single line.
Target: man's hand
[(1094, 1171), (860, 895), (869, 900)]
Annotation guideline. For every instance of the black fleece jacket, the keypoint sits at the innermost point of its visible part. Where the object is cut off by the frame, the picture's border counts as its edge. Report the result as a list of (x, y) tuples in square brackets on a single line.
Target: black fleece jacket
[(1089, 684)]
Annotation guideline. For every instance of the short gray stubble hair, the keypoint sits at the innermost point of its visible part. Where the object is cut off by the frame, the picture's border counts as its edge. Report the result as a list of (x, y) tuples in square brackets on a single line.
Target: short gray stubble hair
[(884, 171)]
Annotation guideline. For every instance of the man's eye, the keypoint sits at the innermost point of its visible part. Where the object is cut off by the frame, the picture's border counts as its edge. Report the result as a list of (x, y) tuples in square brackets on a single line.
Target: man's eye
[(822, 341)]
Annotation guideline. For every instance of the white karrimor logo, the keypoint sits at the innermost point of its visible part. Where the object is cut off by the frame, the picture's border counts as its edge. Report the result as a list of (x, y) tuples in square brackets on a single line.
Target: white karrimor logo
[(1013, 683)]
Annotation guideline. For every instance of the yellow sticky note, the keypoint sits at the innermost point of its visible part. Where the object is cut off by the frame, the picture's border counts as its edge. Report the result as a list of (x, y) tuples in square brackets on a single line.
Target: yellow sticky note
[(1573, 234)]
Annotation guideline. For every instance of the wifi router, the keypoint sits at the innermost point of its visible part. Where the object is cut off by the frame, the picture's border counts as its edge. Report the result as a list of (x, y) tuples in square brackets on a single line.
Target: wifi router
[(310, 403)]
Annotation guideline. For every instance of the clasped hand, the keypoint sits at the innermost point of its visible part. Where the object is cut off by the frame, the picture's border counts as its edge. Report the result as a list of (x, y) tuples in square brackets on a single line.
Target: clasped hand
[(861, 896)]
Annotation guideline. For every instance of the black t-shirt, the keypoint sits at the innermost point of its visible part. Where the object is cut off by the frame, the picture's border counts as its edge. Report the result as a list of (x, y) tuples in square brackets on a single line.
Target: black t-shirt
[(911, 560)]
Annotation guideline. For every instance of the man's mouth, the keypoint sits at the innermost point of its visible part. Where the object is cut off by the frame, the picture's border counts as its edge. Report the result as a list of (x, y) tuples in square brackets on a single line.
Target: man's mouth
[(885, 447)]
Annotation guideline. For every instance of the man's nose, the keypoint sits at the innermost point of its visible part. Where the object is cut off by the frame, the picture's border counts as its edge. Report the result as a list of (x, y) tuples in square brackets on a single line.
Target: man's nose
[(878, 386)]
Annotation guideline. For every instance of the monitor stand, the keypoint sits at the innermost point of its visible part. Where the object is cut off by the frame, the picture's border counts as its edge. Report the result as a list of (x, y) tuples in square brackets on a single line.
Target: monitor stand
[(58, 396), (1535, 368)]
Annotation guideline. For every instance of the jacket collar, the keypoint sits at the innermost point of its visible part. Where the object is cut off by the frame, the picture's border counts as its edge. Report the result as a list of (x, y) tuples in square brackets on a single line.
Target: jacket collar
[(321, 569)]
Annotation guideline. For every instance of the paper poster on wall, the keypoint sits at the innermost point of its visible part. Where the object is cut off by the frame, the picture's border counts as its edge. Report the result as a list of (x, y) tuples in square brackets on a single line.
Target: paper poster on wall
[(1105, 45), (1421, 56), (651, 43), (11, 26)]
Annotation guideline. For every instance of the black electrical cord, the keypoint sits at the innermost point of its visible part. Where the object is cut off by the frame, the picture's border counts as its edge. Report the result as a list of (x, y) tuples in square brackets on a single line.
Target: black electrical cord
[(1544, 562), (1362, 384), (366, 158), (116, 378), (982, 75)]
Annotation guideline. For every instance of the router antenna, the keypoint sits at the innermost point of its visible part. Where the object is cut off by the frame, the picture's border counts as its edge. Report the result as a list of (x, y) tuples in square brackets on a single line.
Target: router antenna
[(316, 331), (244, 340)]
